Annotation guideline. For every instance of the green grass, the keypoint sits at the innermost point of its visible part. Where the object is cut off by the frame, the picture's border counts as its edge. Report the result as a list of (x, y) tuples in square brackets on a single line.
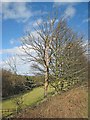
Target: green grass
[(29, 99)]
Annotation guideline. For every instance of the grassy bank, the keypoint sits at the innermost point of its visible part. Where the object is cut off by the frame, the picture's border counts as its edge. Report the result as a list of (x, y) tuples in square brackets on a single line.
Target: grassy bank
[(70, 104), (29, 99)]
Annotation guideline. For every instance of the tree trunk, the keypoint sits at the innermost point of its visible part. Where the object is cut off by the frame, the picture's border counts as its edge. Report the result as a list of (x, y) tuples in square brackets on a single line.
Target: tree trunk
[(46, 82), (46, 70)]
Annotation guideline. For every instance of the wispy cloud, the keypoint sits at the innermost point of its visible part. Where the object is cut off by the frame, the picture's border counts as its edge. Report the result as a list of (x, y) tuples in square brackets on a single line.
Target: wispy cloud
[(17, 11), (70, 12)]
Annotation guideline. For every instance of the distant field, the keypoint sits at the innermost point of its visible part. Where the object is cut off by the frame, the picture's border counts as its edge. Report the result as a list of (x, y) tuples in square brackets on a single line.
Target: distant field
[(29, 99)]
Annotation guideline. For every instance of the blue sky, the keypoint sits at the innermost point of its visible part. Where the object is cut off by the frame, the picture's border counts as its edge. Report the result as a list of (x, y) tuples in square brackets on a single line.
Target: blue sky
[(17, 18)]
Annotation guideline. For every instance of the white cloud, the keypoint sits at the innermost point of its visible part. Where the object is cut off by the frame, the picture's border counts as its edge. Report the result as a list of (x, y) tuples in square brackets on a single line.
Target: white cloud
[(9, 51), (17, 11), (23, 66), (69, 12), (16, 50), (70, 7), (20, 50)]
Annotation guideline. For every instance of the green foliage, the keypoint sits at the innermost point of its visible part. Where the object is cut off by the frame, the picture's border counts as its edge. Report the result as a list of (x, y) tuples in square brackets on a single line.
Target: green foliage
[(29, 83), (68, 62), (38, 80)]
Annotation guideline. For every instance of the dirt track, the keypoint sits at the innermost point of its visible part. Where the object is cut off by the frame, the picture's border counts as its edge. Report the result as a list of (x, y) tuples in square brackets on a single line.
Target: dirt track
[(71, 104)]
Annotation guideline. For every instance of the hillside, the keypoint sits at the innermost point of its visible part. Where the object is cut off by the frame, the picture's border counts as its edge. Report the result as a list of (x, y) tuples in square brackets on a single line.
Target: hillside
[(70, 104), (30, 98)]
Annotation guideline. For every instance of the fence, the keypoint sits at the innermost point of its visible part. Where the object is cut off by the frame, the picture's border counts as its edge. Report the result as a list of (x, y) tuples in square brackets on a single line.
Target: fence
[(8, 112)]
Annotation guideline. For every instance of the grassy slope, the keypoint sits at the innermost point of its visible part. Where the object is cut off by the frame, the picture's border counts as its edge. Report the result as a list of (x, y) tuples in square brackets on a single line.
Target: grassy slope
[(29, 98), (71, 104)]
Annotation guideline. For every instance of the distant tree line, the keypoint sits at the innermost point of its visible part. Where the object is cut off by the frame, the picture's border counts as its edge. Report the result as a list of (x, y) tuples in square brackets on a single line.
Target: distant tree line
[(13, 84)]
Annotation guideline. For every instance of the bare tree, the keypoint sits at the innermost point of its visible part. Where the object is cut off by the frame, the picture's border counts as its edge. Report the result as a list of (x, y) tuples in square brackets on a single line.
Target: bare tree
[(12, 64), (38, 49), (50, 51)]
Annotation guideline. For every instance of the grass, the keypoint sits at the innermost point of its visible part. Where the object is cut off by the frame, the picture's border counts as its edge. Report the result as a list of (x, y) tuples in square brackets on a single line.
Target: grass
[(69, 104), (29, 99)]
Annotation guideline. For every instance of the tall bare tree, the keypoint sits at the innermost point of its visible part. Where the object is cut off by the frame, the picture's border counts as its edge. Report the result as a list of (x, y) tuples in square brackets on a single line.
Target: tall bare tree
[(38, 49), (51, 51)]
